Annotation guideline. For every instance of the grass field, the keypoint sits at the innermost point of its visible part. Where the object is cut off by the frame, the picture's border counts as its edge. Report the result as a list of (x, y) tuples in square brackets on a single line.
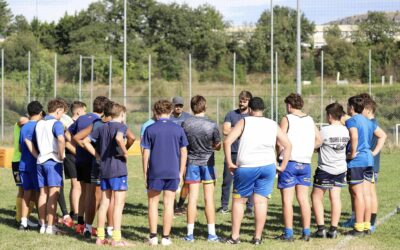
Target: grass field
[(135, 219)]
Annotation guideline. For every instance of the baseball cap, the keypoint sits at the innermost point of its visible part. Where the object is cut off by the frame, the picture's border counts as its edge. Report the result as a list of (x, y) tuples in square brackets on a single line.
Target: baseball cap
[(177, 100)]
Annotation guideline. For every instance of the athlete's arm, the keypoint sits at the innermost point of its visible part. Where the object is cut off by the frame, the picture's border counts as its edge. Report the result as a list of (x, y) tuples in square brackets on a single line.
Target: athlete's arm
[(381, 135), (68, 143), (145, 163), (121, 143), (226, 128), (353, 143), (31, 148), (61, 146), (318, 140), (81, 135), (231, 138), (283, 140), (87, 145), (217, 146), (284, 125), (183, 159), (130, 138)]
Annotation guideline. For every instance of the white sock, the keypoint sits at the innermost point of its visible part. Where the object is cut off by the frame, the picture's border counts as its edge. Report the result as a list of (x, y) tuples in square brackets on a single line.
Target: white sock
[(24, 222), (190, 229), (49, 228), (353, 215), (88, 227), (211, 229), (110, 230)]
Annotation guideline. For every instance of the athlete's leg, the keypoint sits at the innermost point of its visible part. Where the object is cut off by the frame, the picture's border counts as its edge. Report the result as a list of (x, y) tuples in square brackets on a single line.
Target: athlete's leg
[(317, 197), (336, 205), (260, 213)]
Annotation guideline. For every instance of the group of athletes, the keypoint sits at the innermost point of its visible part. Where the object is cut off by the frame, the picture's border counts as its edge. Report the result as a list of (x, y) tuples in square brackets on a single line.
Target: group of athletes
[(178, 156)]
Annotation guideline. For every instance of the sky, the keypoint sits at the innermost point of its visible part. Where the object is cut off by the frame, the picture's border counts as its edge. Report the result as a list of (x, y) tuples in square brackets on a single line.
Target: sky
[(238, 12)]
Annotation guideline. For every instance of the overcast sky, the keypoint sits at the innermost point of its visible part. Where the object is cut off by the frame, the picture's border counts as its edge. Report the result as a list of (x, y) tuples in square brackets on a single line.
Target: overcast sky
[(236, 11)]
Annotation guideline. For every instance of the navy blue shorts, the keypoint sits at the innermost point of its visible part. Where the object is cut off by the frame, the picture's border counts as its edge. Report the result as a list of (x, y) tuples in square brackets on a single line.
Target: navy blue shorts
[(115, 184), (258, 180), (50, 174), (358, 175), (296, 173), (325, 180), (16, 173), (30, 180), (83, 170), (163, 185), (198, 174)]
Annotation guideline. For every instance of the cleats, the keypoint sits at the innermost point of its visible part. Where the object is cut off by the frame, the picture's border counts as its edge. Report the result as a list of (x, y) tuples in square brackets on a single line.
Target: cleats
[(166, 241), (256, 241), (319, 234), (152, 241), (100, 242), (189, 238), (305, 237), (355, 233), (213, 238), (332, 234), (232, 241), (79, 228), (223, 210), (283, 237)]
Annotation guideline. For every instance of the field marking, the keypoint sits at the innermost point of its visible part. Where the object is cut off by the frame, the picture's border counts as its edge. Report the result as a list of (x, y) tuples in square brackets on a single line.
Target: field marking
[(342, 244)]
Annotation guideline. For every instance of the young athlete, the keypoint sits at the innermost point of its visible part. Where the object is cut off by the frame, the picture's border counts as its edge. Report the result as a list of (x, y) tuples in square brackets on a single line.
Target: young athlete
[(255, 168), (360, 161), (304, 136), (27, 165), (203, 137), (113, 171), (163, 168), (51, 146), (331, 172)]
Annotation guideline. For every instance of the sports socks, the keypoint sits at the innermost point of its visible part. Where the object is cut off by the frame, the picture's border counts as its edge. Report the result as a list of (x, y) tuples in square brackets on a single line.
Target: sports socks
[(306, 231), (80, 220), (101, 233), (373, 219), (190, 229), (288, 232), (110, 231), (24, 221), (18, 206), (367, 225), (321, 228), (211, 229), (88, 227), (359, 227), (116, 235), (181, 202)]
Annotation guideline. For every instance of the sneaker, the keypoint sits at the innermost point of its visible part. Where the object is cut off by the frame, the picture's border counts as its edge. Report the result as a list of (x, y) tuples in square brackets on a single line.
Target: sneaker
[(32, 224), (79, 228), (180, 210), (349, 223), (373, 229), (367, 232), (120, 243), (305, 237), (23, 228), (100, 242), (152, 241), (223, 210), (87, 234), (67, 221), (232, 241), (54, 231), (249, 212), (166, 241), (319, 234), (189, 238), (332, 234), (284, 238), (213, 238), (354, 233), (255, 241), (42, 229)]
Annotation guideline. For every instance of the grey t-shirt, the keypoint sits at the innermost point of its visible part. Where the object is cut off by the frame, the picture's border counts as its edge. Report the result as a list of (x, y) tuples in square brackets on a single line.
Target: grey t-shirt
[(180, 119), (202, 134), (332, 153)]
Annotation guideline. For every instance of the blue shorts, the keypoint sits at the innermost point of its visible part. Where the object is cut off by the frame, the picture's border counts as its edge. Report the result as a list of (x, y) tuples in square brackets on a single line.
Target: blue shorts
[(50, 174), (359, 174), (296, 173), (163, 184), (115, 184), (325, 180), (198, 174), (30, 180), (258, 180)]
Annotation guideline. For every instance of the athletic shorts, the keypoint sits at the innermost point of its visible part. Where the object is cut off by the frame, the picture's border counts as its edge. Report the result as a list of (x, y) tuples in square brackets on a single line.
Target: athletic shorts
[(115, 184), (163, 185), (69, 166), (325, 180), (30, 180), (95, 174), (50, 174), (249, 181), (83, 170), (16, 173), (358, 175), (198, 174), (296, 173)]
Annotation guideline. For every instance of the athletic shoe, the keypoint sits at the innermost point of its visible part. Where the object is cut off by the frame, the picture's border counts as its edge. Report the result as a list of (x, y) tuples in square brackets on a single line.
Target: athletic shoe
[(79, 228), (120, 243), (255, 241), (213, 238), (22, 228), (354, 233), (249, 212), (67, 221), (373, 229), (305, 237), (349, 223), (87, 234), (32, 224), (189, 238), (332, 234), (152, 241), (284, 238), (54, 231), (100, 242), (180, 210), (42, 229), (367, 232), (232, 241), (319, 234), (223, 210), (166, 242)]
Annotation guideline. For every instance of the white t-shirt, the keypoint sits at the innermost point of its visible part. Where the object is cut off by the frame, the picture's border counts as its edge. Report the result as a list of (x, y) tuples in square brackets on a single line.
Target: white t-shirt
[(332, 153)]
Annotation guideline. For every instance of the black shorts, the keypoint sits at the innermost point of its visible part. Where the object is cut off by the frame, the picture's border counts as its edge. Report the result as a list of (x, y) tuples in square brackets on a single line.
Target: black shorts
[(95, 173), (325, 180), (83, 170), (16, 174), (69, 166), (358, 175)]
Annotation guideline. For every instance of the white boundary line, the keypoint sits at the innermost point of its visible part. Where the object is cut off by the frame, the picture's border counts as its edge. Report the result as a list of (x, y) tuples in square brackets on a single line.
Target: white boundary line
[(343, 243)]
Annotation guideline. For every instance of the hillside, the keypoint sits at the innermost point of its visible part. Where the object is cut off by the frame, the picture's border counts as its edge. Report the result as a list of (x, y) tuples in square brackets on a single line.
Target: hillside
[(353, 20)]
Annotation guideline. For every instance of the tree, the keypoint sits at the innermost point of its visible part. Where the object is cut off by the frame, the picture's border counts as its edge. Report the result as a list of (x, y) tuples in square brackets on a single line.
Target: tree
[(5, 17), (377, 28)]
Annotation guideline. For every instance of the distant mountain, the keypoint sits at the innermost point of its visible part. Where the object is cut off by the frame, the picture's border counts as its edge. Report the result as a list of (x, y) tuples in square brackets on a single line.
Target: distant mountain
[(353, 20)]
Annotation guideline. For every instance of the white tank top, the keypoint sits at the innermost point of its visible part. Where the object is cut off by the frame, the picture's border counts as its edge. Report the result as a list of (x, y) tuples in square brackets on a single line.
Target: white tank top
[(301, 133), (46, 141), (257, 143)]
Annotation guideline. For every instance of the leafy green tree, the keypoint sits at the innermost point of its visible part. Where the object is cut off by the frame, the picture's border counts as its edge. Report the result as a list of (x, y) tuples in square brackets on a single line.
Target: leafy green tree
[(5, 17)]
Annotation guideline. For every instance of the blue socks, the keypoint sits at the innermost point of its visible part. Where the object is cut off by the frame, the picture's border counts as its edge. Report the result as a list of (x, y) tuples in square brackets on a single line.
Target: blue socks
[(288, 232), (306, 231)]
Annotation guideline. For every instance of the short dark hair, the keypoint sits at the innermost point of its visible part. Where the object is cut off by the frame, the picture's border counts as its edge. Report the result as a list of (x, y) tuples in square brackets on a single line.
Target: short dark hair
[(198, 104), (76, 105), (357, 102), (256, 104), (295, 100), (370, 105), (108, 107), (116, 110), (55, 104), (163, 107), (245, 95), (335, 110), (34, 108), (99, 103)]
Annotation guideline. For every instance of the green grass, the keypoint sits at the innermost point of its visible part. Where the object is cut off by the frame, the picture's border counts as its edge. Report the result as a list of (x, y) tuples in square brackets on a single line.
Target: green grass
[(135, 218)]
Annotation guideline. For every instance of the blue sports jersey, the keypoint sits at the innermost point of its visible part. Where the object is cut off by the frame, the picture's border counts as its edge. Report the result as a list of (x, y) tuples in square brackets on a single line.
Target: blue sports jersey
[(112, 164), (82, 156), (374, 141), (180, 119), (364, 127), (164, 139), (28, 161), (234, 117), (145, 125)]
